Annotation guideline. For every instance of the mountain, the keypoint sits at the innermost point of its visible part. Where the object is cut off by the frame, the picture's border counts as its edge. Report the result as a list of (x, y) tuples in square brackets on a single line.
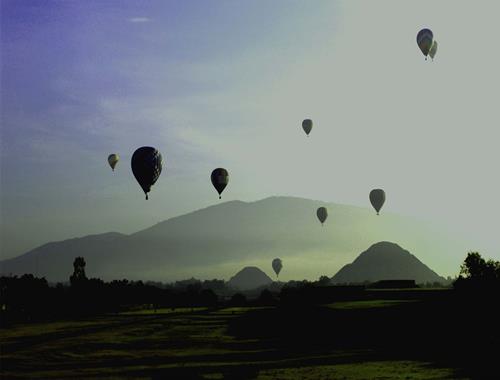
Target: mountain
[(386, 261), (217, 241), (249, 278)]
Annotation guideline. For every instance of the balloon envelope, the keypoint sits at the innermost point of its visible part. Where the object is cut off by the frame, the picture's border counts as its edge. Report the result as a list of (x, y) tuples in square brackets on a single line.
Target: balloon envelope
[(220, 179), (377, 199), (433, 50), (277, 265), (307, 125), (322, 214), (424, 41), (113, 160), (146, 165)]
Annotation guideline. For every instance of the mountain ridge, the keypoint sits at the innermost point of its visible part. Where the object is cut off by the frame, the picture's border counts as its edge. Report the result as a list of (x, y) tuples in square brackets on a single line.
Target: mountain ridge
[(217, 240)]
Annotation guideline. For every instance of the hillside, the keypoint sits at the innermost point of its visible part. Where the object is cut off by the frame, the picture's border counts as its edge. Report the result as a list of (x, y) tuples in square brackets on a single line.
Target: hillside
[(217, 241), (386, 261)]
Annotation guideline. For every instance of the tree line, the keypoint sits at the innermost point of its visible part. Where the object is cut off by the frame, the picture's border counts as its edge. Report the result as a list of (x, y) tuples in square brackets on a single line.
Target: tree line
[(27, 298)]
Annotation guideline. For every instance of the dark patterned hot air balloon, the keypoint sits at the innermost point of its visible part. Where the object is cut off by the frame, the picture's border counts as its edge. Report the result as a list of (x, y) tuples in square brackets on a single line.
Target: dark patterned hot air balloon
[(424, 41), (307, 125), (377, 199), (220, 179), (146, 166), (113, 160), (322, 214), (277, 265)]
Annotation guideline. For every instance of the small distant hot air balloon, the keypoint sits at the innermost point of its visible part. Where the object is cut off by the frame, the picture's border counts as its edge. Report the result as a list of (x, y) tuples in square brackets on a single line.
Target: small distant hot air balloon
[(307, 125), (424, 41), (433, 50), (146, 165), (377, 199), (277, 265), (220, 179), (113, 160), (322, 214)]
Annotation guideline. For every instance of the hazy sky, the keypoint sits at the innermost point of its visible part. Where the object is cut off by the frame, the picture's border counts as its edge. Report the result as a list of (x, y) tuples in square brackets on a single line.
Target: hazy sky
[(227, 83)]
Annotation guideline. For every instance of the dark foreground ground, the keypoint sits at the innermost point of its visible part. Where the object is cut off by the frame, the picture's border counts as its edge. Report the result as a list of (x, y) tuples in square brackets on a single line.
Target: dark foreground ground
[(391, 335)]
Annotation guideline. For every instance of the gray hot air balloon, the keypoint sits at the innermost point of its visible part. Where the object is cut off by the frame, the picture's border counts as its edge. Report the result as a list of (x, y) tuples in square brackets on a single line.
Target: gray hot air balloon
[(277, 265), (424, 41), (146, 166), (377, 199), (322, 214), (113, 160), (307, 125), (220, 179), (433, 51)]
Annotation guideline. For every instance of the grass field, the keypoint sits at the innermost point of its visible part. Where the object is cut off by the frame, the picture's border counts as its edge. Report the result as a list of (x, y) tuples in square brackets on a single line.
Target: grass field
[(190, 344)]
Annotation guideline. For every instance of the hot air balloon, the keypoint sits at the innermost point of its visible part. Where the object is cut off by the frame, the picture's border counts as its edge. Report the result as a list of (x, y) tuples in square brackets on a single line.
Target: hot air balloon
[(322, 214), (377, 199), (146, 166), (113, 160), (424, 41), (307, 125), (277, 265), (433, 50), (220, 179)]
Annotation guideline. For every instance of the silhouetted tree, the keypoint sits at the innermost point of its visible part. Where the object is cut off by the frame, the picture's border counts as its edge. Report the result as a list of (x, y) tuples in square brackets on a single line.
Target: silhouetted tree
[(78, 275), (472, 266), (475, 267), (478, 274), (324, 281)]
